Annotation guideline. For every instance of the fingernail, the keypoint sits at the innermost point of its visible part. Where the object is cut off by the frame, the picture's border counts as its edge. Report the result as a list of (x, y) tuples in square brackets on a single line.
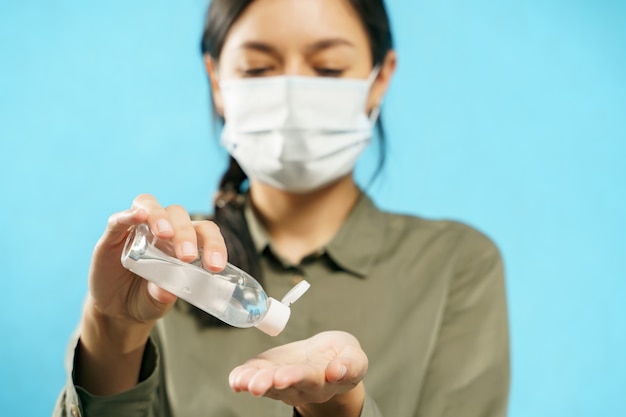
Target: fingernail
[(217, 260), (163, 226), (344, 371), (189, 249)]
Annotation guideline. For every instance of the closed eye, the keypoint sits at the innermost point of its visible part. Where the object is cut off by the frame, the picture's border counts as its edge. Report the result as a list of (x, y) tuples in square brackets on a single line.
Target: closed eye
[(256, 72), (329, 72)]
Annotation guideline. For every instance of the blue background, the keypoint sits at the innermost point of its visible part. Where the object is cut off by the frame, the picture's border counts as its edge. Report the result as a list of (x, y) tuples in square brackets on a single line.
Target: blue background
[(508, 115)]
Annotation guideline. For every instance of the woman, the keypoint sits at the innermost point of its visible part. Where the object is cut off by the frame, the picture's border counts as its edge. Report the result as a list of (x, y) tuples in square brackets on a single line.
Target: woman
[(405, 317)]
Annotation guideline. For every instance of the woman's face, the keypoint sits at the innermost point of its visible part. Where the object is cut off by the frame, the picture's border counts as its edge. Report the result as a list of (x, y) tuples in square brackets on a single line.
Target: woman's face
[(298, 37)]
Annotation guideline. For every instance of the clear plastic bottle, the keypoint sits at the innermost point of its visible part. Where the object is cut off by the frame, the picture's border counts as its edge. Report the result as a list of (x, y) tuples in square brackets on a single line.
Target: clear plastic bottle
[(231, 295)]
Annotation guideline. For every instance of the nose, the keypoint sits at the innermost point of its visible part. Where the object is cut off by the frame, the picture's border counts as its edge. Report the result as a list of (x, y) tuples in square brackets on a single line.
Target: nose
[(297, 66)]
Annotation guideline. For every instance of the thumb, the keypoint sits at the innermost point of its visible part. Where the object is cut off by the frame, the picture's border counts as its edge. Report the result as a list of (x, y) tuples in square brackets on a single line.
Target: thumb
[(159, 294), (118, 224), (337, 370), (346, 370)]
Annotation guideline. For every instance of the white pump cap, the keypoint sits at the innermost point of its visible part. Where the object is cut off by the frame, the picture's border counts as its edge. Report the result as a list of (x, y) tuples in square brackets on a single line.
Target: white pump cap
[(278, 312)]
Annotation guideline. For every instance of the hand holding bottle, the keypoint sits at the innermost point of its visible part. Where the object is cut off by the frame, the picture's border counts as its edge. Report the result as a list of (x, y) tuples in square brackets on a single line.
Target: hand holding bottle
[(115, 291), (321, 375), (232, 295), (121, 308)]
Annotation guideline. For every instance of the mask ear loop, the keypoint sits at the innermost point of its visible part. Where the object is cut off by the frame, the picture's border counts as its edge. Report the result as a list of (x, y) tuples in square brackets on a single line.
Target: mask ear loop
[(373, 75), (375, 113)]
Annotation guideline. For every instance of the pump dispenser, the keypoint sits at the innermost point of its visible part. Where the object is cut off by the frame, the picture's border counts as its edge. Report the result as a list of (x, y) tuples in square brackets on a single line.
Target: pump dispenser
[(231, 295)]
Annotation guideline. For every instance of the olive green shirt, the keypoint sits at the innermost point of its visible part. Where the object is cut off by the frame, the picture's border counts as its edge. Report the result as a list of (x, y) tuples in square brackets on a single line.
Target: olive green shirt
[(426, 300)]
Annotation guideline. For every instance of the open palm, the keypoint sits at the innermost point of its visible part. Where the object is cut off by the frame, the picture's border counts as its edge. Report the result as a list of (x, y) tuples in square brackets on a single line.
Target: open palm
[(308, 371)]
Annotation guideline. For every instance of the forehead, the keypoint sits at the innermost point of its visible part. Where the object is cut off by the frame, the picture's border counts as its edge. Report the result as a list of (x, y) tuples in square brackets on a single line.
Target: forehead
[(297, 23)]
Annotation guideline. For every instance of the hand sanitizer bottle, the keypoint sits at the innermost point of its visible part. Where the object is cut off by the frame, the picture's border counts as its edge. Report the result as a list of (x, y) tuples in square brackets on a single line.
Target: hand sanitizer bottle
[(231, 295)]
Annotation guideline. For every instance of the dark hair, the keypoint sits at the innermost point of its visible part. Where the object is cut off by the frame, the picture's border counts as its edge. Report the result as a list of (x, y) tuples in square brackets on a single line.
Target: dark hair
[(228, 214)]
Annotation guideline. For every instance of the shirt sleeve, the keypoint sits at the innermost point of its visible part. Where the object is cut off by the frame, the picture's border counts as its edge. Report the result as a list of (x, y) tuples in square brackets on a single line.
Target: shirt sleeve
[(143, 399), (468, 373)]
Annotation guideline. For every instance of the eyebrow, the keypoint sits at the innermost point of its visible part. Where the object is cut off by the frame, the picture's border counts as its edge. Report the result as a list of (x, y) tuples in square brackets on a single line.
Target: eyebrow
[(259, 46), (313, 48), (328, 43)]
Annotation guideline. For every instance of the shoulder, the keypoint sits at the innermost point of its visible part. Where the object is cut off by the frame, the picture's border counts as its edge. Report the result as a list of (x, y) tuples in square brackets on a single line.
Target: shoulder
[(463, 260), (450, 236)]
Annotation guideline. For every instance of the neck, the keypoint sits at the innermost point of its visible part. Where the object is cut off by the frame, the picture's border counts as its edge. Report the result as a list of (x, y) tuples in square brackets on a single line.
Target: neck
[(299, 224)]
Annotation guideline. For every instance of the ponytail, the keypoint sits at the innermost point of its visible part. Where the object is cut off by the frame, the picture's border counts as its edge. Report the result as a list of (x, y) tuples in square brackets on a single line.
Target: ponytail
[(229, 216)]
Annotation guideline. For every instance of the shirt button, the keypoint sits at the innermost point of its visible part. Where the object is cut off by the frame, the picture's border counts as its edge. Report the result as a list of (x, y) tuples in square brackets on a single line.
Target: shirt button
[(75, 411)]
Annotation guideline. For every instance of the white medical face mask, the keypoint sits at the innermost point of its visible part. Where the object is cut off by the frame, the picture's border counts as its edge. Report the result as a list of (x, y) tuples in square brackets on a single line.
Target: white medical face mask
[(296, 133)]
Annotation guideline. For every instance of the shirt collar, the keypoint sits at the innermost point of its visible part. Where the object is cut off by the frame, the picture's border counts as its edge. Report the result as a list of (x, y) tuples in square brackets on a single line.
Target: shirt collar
[(259, 234), (355, 246)]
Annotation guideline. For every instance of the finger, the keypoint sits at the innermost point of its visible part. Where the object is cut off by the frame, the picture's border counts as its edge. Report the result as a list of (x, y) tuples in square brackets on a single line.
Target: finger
[(261, 382), (279, 394), (158, 218), (232, 377), (213, 247), (119, 223), (300, 377), (299, 384), (240, 378), (184, 239)]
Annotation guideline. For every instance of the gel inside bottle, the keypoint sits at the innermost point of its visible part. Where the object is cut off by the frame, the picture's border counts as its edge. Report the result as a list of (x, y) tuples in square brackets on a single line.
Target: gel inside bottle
[(231, 295)]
